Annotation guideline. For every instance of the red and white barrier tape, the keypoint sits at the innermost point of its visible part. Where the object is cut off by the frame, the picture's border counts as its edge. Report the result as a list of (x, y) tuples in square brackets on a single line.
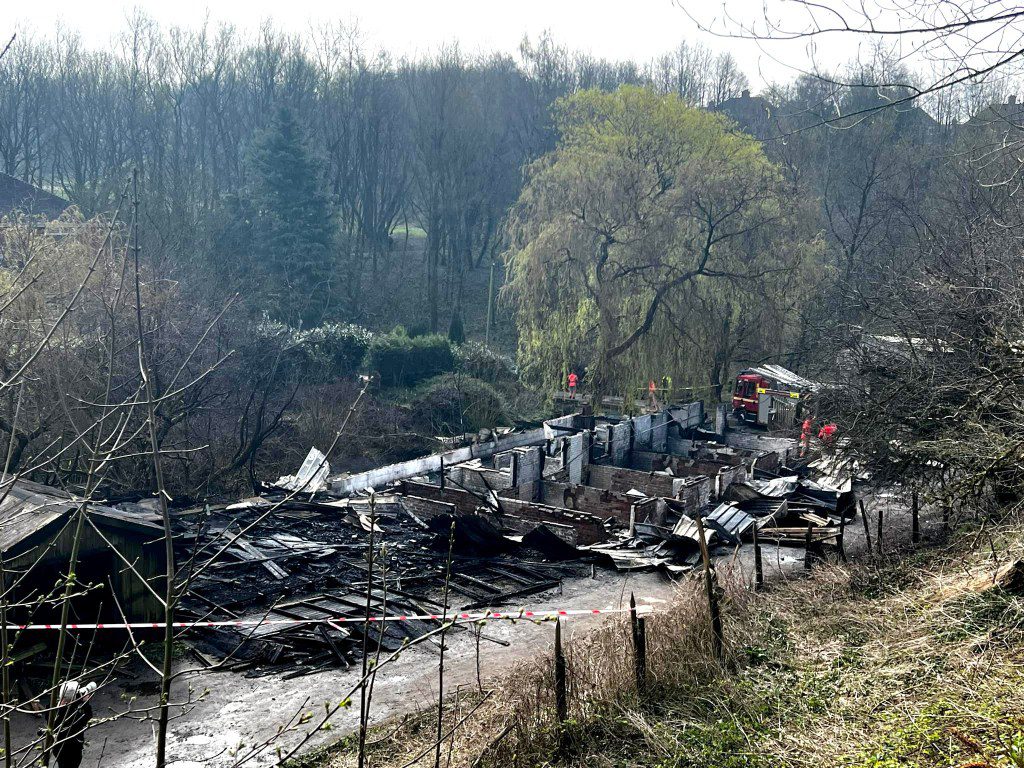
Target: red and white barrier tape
[(540, 615)]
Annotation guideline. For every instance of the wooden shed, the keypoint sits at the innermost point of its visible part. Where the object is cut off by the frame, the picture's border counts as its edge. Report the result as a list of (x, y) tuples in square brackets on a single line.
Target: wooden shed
[(37, 530)]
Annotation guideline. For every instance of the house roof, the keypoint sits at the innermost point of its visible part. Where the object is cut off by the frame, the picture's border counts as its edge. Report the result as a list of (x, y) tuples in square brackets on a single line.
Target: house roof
[(31, 510), (1000, 116), (18, 197), (753, 114)]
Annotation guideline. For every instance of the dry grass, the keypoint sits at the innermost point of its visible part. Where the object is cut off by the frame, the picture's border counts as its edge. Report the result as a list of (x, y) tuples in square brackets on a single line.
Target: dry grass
[(910, 664)]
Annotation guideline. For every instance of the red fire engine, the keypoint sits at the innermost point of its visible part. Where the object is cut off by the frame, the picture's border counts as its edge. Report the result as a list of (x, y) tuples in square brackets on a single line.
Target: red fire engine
[(757, 387)]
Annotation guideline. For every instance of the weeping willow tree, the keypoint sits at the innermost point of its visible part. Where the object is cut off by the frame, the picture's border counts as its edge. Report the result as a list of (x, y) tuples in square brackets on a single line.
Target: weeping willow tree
[(647, 243)]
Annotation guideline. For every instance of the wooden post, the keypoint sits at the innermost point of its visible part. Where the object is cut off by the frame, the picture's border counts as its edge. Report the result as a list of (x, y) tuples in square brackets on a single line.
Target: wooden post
[(867, 529), (758, 567), (561, 693), (637, 625), (632, 614), (880, 517), (842, 538), (641, 656), (807, 547), (915, 518), (717, 633)]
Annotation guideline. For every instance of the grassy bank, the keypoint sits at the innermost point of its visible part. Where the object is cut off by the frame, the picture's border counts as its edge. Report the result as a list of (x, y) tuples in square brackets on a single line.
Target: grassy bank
[(916, 662)]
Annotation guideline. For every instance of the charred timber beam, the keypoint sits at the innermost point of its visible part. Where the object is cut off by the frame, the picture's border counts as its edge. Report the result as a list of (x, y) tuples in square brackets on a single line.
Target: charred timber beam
[(382, 476)]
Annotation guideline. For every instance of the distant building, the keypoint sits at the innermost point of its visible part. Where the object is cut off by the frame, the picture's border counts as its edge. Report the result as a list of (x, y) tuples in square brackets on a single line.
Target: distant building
[(763, 120), (753, 114), (999, 117), (17, 197)]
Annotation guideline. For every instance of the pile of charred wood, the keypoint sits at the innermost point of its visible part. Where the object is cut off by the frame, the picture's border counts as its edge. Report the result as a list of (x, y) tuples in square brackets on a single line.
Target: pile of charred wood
[(265, 560)]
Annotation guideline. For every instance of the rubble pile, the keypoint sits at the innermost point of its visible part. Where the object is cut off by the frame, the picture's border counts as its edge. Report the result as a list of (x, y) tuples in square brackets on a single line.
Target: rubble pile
[(488, 523), (276, 557)]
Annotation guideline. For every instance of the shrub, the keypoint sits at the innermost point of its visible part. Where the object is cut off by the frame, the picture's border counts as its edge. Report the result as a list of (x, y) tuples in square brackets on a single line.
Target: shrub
[(341, 346), (480, 362), (326, 352), (403, 360), (453, 404)]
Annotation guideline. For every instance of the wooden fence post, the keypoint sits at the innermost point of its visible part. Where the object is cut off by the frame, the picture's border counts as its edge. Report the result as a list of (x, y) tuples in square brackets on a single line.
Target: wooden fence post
[(717, 633), (639, 647), (632, 614), (915, 519), (881, 513), (758, 567), (867, 528), (842, 538), (561, 692)]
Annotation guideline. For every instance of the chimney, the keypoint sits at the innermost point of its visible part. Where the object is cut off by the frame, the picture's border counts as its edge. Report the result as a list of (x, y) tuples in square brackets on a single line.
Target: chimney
[(1013, 99), (746, 93)]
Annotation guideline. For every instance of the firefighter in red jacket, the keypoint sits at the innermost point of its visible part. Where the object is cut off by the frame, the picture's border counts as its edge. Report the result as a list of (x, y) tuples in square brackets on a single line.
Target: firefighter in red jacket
[(827, 433), (805, 436)]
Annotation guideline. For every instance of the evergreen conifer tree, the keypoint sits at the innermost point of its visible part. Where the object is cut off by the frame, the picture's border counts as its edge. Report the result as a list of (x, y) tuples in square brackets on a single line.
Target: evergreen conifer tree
[(294, 231)]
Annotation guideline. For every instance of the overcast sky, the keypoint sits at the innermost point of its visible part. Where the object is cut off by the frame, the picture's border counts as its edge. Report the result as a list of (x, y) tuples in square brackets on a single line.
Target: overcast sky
[(615, 29)]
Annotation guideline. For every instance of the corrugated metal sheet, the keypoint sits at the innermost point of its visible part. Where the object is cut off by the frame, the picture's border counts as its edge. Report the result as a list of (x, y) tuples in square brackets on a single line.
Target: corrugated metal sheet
[(731, 519), (776, 487), (724, 521)]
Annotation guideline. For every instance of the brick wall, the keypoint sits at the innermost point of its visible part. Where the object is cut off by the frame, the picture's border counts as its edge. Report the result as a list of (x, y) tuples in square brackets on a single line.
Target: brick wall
[(659, 432), (576, 453), (694, 492), (595, 501), (529, 468), (621, 438), (589, 528), (464, 501), (643, 427), (479, 478), (622, 480), (427, 509)]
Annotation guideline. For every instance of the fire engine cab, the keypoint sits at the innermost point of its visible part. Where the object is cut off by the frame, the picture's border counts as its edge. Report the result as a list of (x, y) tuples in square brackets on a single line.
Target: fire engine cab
[(761, 392)]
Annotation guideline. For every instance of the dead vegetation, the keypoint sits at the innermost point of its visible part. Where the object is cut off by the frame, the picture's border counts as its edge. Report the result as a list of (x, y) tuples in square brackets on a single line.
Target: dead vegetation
[(915, 662)]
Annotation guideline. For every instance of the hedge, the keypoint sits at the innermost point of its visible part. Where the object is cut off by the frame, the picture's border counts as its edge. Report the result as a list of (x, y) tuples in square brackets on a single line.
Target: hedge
[(403, 361), (341, 346), (323, 353)]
